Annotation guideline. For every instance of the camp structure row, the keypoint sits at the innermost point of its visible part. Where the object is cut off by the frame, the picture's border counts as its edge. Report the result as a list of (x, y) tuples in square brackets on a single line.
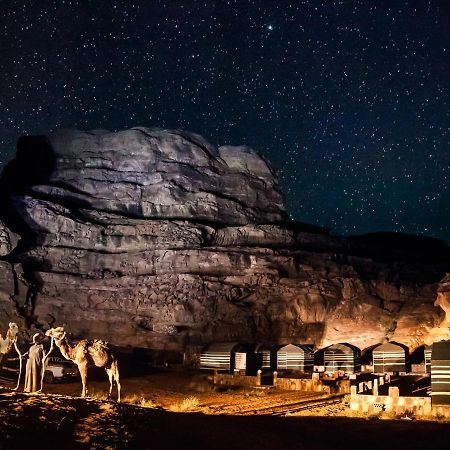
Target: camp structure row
[(241, 358), (342, 357), (233, 357)]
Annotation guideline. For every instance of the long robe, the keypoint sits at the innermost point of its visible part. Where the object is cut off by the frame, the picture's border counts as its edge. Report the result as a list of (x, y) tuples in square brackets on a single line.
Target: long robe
[(33, 371)]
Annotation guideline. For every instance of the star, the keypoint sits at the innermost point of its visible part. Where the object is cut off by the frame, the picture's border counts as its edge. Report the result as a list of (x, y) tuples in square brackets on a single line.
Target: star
[(350, 103)]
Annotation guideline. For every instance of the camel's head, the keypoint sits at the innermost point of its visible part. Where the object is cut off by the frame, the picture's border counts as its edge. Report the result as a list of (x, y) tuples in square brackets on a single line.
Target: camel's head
[(13, 331), (57, 333)]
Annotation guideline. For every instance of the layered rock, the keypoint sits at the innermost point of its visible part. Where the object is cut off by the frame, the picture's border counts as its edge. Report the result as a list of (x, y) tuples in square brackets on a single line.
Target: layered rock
[(8, 240), (156, 238), (150, 173)]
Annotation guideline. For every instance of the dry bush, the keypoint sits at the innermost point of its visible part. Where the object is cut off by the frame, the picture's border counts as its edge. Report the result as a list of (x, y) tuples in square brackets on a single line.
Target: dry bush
[(139, 400), (187, 404), (133, 399), (96, 394), (147, 403)]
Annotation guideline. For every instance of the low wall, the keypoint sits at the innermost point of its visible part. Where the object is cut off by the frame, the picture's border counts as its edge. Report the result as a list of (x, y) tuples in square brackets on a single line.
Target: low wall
[(301, 384), (313, 384), (441, 412), (341, 387), (226, 379), (374, 404)]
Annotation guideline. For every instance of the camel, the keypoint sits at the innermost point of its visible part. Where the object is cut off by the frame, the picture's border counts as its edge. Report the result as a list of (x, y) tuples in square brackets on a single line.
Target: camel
[(11, 338), (87, 353), (8, 342)]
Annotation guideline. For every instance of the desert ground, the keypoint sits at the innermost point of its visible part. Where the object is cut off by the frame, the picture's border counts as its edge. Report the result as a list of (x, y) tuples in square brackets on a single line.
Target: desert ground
[(182, 410)]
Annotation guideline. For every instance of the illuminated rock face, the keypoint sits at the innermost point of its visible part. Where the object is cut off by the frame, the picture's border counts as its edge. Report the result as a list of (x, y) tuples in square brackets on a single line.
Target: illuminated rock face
[(155, 238), (442, 331)]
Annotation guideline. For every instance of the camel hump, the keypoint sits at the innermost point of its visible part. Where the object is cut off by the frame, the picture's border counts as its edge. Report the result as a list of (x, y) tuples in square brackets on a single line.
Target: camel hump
[(100, 352), (100, 345)]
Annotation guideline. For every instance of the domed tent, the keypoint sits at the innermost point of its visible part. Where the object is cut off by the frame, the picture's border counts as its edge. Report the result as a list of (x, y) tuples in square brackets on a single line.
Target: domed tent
[(389, 357), (295, 357), (229, 357), (219, 356), (440, 373), (342, 357)]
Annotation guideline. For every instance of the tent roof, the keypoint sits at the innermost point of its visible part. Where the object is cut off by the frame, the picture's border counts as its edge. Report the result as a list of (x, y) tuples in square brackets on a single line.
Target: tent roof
[(388, 347), (343, 348), (223, 346), (295, 348)]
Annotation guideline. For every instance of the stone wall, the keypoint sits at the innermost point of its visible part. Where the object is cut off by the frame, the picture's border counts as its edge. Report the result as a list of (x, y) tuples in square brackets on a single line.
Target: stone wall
[(391, 404), (287, 384), (232, 380), (301, 384)]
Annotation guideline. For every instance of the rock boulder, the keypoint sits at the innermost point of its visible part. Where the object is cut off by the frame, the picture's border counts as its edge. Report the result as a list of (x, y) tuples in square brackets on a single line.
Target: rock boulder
[(156, 238)]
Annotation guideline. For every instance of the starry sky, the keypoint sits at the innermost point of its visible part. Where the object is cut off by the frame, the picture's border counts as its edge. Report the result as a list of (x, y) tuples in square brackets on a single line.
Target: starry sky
[(349, 100)]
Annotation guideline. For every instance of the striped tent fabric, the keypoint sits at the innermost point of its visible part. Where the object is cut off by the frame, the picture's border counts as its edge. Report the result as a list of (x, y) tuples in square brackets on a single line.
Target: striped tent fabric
[(389, 358), (265, 362), (440, 373), (427, 357), (342, 357), (295, 357), (219, 356), (264, 356)]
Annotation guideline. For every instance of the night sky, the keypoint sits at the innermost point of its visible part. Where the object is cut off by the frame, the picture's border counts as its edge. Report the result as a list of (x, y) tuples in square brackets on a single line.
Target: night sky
[(349, 100)]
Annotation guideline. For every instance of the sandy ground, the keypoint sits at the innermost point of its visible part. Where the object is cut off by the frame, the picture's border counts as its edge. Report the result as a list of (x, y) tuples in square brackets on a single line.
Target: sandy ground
[(182, 410)]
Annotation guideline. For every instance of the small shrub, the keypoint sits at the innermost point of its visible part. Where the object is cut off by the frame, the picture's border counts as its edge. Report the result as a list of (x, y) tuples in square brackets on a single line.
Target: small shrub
[(131, 399), (187, 404), (139, 400), (147, 403)]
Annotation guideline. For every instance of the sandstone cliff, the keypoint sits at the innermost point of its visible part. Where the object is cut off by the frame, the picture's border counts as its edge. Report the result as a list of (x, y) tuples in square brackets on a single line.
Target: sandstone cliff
[(156, 238)]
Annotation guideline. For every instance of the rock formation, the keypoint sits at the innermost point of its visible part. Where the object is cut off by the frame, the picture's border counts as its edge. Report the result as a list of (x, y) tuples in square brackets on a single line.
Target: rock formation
[(156, 238)]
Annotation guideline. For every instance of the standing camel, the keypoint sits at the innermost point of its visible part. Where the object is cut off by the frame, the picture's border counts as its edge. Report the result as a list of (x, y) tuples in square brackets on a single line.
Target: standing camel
[(11, 337), (8, 342), (87, 354)]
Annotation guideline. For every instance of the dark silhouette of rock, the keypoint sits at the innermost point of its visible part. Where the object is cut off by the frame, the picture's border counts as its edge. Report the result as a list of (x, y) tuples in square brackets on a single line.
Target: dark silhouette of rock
[(156, 238)]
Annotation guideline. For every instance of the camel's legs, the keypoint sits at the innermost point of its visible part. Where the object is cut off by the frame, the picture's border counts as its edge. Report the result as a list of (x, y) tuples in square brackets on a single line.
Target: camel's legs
[(115, 373), (44, 363), (82, 368), (118, 387), (20, 365), (111, 381)]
